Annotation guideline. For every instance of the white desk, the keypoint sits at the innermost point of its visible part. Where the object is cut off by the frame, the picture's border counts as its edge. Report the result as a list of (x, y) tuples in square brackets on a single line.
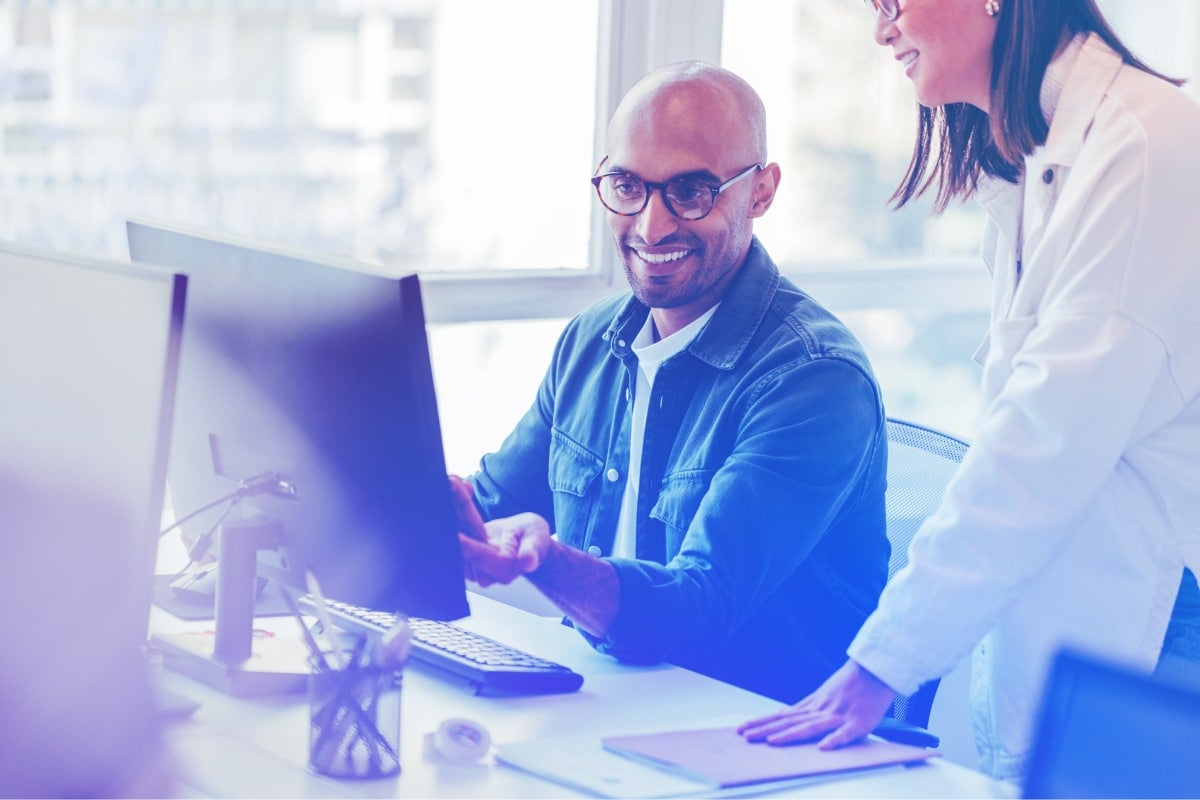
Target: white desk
[(258, 748)]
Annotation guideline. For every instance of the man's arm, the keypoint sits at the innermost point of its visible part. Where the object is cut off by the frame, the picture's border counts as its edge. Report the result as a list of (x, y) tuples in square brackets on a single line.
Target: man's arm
[(584, 587), (513, 479)]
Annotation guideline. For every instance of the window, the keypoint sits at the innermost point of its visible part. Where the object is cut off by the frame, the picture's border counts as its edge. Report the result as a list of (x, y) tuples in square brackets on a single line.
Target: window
[(439, 136)]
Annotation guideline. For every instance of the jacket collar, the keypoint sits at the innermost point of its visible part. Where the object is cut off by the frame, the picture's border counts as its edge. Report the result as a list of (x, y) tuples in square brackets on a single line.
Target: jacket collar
[(1078, 79), (1086, 70), (727, 335)]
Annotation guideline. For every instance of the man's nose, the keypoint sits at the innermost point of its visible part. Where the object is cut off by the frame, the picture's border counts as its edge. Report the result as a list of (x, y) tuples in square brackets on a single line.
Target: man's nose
[(655, 222)]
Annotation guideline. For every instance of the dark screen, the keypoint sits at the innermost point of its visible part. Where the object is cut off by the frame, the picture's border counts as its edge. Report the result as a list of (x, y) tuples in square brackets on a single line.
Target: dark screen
[(318, 371), (1108, 731)]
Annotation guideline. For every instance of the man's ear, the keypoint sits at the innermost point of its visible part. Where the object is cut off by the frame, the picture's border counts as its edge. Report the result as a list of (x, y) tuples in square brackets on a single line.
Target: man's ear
[(766, 183)]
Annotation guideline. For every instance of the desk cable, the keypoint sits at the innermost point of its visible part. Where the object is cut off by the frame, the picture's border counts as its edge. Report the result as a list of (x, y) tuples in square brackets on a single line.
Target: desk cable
[(265, 483)]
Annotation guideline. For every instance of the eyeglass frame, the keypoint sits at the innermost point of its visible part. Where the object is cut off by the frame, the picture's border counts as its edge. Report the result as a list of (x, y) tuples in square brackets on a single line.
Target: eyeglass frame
[(662, 187), (876, 7)]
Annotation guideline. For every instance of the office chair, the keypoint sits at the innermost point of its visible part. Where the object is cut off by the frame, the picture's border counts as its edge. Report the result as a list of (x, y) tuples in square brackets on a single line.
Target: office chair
[(920, 463)]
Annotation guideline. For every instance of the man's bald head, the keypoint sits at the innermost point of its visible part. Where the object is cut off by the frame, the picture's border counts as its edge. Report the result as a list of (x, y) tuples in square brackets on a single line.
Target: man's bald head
[(699, 105)]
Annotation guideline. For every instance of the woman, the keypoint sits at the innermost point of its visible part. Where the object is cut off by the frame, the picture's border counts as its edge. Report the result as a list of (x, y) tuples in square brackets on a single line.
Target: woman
[(1077, 508)]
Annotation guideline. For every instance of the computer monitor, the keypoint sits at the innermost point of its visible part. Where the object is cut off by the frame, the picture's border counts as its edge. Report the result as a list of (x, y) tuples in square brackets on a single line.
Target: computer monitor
[(88, 359), (1108, 730), (315, 371)]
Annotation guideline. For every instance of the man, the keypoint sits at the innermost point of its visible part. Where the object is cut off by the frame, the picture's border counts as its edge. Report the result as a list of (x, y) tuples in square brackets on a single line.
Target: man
[(710, 449)]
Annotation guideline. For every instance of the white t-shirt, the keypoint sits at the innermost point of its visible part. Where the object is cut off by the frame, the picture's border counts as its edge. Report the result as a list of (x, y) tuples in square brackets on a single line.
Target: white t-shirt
[(650, 355)]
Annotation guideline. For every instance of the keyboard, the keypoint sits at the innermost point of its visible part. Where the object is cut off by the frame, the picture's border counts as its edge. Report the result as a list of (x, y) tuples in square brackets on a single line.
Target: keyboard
[(488, 667)]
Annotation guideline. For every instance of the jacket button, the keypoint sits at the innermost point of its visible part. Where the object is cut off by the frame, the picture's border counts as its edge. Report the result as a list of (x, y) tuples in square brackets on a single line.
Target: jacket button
[(620, 342), (594, 551), (612, 475), (1048, 176)]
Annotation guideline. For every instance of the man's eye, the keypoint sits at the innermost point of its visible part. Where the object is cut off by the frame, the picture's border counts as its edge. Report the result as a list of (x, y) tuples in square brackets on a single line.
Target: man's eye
[(689, 191), (626, 187)]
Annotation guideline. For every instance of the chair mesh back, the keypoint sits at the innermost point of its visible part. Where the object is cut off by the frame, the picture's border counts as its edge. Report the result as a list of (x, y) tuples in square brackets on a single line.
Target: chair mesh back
[(920, 463)]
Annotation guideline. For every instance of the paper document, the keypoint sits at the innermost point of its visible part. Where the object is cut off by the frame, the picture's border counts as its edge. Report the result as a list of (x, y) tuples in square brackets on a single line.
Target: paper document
[(721, 756)]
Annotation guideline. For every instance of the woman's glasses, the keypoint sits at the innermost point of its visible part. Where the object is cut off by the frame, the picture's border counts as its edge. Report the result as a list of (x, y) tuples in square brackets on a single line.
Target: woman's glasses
[(889, 8)]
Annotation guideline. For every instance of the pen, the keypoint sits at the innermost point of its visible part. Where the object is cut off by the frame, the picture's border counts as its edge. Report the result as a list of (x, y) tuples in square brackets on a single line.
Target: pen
[(318, 657), (314, 589)]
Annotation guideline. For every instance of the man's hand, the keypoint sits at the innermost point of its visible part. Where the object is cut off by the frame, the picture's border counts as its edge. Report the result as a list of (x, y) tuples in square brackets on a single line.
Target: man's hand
[(515, 546), (501, 550), (585, 588), (843, 709), (464, 508)]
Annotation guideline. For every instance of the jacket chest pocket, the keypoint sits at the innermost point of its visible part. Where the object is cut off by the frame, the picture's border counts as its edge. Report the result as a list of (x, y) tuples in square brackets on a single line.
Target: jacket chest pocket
[(573, 467), (998, 352), (573, 473)]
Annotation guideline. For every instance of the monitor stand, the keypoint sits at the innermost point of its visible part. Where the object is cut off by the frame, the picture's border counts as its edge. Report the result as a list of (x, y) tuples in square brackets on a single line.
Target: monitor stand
[(233, 657)]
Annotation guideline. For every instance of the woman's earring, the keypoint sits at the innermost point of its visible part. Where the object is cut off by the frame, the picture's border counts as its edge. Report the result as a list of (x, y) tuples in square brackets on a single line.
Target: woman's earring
[(992, 7)]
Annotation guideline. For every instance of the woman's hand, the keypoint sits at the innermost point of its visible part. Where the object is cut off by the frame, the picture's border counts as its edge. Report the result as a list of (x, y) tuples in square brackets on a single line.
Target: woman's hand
[(843, 709)]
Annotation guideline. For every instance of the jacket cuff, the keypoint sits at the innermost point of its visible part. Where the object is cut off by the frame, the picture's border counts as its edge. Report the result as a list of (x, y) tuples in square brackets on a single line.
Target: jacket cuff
[(887, 657), (633, 638)]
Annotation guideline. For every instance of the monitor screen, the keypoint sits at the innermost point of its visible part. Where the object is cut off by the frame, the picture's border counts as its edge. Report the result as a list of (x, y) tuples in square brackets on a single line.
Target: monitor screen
[(88, 357), (316, 371), (1106, 730)]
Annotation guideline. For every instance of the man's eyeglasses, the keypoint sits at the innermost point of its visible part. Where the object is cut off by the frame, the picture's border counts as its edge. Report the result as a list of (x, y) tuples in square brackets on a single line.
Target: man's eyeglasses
[(889, 8), (687, 198)]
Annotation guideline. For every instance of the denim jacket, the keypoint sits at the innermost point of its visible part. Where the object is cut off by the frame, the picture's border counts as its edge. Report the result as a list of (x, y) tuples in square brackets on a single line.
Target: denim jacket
[(761, 542)]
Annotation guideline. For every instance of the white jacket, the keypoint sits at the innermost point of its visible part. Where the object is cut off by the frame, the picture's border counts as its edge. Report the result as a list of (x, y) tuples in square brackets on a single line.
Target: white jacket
[(1078, 503)]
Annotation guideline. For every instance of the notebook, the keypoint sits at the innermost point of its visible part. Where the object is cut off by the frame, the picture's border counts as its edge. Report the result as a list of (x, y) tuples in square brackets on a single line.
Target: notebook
[(619, 767), (723, 758)]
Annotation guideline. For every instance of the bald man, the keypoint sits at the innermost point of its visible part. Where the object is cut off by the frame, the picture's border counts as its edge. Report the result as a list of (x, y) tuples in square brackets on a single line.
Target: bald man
[(700, 479)]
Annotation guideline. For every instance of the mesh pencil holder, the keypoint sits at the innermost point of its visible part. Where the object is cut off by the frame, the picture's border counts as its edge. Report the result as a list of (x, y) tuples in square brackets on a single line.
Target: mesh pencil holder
[(354, 712)]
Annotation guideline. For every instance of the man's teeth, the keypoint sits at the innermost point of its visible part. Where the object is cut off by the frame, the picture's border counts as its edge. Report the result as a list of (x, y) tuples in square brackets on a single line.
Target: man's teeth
[(661, 258)]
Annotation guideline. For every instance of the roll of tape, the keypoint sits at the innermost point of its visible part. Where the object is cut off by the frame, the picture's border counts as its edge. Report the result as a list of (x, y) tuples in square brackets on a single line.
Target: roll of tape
[(462, 741)]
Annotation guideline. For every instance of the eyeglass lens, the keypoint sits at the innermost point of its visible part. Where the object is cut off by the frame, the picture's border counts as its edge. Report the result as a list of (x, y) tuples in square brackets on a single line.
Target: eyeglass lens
[(890, 9)]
